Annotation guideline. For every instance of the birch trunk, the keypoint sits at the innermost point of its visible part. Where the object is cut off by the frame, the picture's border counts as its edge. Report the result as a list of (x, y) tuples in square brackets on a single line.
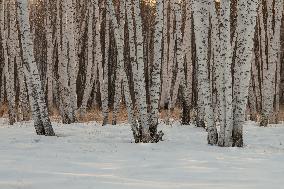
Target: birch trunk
[(90, 60), (201, 28), (142, 103), (246, 21), (165, 54), (119, 42), (225, 89), (118, 95), (9, 58), (187, 53), (38, 104), (73, 58), (156, 73), (67, 110), (105, 95), (275, 11), (23, 107), (49, 54)]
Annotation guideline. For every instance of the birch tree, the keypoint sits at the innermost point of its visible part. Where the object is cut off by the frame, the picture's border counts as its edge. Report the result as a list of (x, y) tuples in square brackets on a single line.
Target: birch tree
[(119, 77), (246, 21), (156, 74), (201, 29), (274, 12), (225, 74), (63, 33), (49, 53), (91, 67), (105, 93), (9, 58), (39, 108), (119, 40), (188, 69)]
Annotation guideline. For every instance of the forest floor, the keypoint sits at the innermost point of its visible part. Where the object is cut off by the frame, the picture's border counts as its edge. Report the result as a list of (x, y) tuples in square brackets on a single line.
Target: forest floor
[(90, 156)]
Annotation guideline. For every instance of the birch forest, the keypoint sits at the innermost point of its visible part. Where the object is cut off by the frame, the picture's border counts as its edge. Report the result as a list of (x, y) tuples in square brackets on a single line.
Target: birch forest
[(214, 64)]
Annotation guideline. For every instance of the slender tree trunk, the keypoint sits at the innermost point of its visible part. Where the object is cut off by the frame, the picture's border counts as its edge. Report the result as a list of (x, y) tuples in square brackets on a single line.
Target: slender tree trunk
[(119, 41), (118, 90), (49, 54), (156, 73), (201, 28), (105, 96), (246, 21), (165, 55), (274, 11), (9, 58), (90, 68), (39, 107), (225, 87), (187, 53)]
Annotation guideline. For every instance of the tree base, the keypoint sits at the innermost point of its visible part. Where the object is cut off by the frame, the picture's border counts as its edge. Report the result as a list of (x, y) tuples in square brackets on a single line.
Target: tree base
[(263, 121), (238, 140), (200, 123), (212, 136), (152, 137)]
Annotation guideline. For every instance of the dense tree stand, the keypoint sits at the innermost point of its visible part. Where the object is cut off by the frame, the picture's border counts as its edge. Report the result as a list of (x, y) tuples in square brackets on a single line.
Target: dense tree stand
[(126, 60)]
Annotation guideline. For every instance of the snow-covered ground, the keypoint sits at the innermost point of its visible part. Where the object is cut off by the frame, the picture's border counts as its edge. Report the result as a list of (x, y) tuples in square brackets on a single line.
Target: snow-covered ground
[(90, 156)]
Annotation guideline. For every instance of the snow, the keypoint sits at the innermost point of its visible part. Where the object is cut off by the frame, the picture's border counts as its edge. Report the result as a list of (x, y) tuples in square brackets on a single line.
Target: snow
[(90, 156)]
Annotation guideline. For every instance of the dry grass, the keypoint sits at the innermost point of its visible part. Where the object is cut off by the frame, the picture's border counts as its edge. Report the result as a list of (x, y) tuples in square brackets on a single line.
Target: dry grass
[(174, 114), (281, 113), (95, 114), (4, 110)]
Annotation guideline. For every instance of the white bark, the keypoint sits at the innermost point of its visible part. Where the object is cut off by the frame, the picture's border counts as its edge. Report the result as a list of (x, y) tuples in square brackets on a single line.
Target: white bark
[(38, 104), (187, 48), (246, 21), (201, 28), (142, 103), (179, 53), (67, 110), (119, 77), (225, 76), (171, 52), (9, 58), (15, 54), (73, 58), (165, 55), (49, 54), (90, 60), (105, 73), (120, 69), (269, 67), (156, 74)]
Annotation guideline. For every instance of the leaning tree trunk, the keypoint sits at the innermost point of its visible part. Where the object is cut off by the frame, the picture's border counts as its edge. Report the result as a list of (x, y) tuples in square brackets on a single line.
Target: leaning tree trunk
[(121, 70), (40, 112)]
